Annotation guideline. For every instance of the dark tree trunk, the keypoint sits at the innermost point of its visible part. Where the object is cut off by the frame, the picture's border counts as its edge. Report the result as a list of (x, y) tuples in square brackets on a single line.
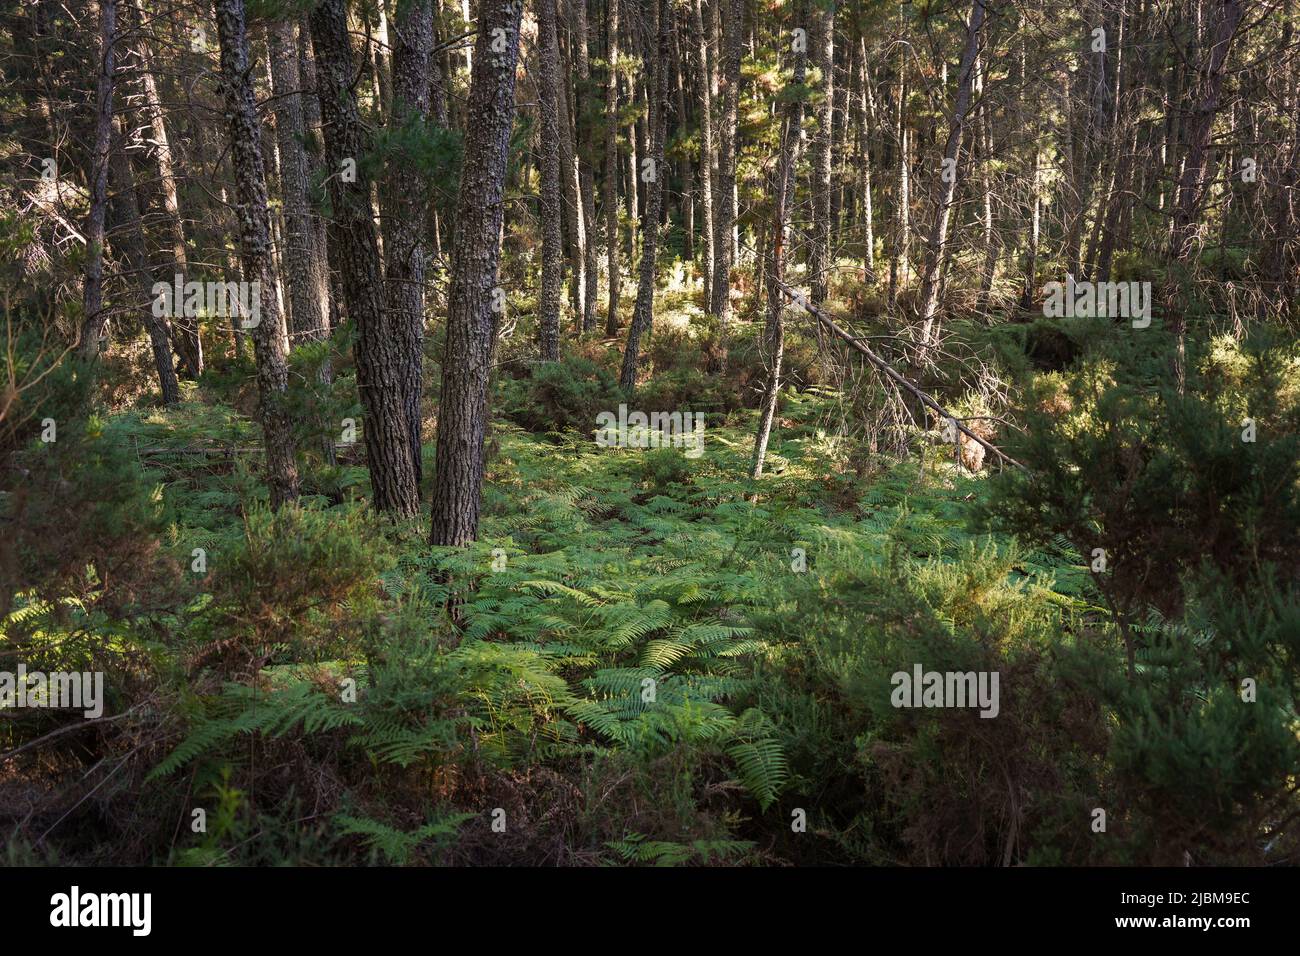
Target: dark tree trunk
[(93, 315)]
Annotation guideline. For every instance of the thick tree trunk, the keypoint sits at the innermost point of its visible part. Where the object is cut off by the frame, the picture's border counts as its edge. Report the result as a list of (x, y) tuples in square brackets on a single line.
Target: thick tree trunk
[(255, 248), (471, 317), (93, 315), (548, 58), (384, 344), (643, 314), (405, 198)]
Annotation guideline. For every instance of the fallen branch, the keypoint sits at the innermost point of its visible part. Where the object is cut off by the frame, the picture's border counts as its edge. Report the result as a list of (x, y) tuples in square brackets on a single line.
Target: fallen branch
[(890, 372)]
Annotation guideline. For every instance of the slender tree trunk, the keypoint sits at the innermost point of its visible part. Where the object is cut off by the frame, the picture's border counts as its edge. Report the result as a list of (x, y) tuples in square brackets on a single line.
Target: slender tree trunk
[(937, 247), (708, 157), (548, 57), (93, 315), (774, 331), (129, 241), (471, 318), (304, 263), (822, 38), (586, 175), (610, 201), (724, 197), (165, 204), (383, 346), (255, 248), (656, 121)]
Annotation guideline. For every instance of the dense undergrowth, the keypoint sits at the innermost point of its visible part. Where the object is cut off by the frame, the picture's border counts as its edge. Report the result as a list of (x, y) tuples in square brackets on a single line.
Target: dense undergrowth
[(648, 658)]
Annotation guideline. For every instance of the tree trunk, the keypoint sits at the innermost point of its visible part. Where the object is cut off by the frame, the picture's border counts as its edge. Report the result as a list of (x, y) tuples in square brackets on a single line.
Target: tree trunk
[(586, 175), (93, 315), (656, 120), (723, 221), (471, 317), (708, 155), (936, 248), (128, 240), (774, 330), (304, 263), (405, 199), (255, 248), (384, 345), (822, 39), (548, 57), (1192, 183), (610, 200)]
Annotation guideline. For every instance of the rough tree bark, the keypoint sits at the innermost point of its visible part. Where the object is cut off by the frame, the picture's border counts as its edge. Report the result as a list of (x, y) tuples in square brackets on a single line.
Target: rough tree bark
[(548, 306), (255, 248), (471, 317), (404, 199), (383, 344)]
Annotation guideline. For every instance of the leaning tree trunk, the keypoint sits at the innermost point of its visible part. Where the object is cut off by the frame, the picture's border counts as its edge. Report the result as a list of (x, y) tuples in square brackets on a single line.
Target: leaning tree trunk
[(405, 199), (729, 91), (548, 58), (384, 343), (936, 248), (255, 248), (611, 166), (92, 311), (643, 314), (774, 332), (471, 316)]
